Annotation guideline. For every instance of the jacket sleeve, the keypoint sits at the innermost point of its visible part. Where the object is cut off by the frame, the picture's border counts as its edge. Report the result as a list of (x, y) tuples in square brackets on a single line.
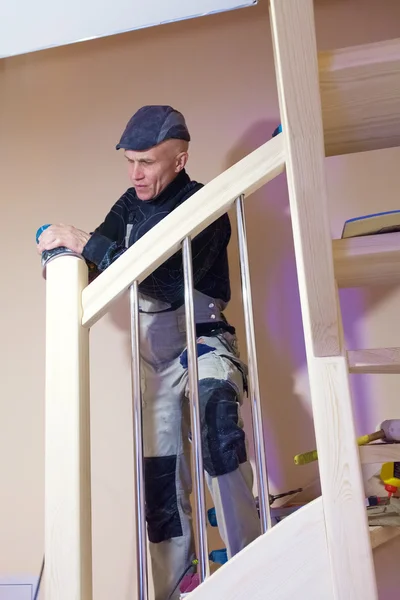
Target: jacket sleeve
[(107, 242)]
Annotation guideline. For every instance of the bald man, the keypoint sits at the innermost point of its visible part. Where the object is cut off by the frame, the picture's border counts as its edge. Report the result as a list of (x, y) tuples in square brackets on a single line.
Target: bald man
[(155, 142)]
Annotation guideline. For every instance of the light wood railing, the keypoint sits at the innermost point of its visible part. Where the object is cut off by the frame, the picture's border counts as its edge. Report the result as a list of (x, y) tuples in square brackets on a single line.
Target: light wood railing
[(73, 307)]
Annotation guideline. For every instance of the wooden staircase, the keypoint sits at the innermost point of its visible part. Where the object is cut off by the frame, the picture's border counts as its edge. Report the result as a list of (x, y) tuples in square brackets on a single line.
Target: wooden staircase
[(336, 102)]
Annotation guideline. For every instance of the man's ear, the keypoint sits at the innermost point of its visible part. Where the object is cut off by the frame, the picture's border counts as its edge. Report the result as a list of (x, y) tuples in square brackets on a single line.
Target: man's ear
[(181, 161)]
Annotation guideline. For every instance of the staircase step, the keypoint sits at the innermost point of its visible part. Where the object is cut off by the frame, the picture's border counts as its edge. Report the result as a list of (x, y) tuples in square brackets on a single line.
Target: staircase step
[(367, 260), (378, 360), (379, 453), (290, 557), (381, 535)]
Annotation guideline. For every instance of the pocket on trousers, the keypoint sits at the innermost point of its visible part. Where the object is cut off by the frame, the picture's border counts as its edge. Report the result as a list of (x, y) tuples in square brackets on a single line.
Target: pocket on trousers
[(223, 349)]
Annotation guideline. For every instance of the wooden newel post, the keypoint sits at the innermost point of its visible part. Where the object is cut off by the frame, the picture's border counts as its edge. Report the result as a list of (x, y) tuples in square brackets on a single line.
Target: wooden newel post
[(68, 535)]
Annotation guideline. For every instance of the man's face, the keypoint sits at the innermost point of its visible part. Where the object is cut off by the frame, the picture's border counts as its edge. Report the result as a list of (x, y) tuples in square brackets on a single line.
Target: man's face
[(152, 170)]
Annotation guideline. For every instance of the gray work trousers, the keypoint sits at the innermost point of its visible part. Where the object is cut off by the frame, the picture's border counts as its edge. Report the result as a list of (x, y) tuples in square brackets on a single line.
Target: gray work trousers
[(166, 435)]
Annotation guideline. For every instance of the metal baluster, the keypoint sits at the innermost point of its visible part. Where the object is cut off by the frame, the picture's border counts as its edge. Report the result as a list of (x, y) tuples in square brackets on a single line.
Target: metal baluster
[(202, 550), (254, 389), (141, 540)]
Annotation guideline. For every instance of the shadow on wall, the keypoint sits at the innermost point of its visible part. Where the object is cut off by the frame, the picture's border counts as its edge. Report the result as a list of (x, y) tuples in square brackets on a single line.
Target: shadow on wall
[(287, 420), (354, 194), (357, 303), (287, 415), (354, 304)]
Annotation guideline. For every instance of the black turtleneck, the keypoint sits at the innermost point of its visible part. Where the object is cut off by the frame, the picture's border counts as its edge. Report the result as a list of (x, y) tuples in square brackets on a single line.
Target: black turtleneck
[(209, 248)]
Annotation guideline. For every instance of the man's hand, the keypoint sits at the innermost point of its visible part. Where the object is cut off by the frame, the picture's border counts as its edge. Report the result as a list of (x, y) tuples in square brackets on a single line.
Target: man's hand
[(63, 235)]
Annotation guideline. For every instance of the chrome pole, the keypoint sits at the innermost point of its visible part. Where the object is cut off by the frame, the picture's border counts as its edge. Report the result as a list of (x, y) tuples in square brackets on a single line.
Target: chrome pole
[(254, 388), (201, 534), (140, 516)]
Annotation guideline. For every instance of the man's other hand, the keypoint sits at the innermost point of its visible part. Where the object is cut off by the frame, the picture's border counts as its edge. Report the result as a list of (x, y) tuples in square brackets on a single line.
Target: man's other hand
[(63, 235)]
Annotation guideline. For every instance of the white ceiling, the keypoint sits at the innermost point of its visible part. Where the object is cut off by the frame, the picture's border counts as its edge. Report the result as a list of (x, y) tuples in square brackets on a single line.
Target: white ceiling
[(29, 25)]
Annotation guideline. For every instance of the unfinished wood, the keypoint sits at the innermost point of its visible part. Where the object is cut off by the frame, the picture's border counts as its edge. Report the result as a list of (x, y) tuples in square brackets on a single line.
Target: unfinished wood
[(289, 561), (378, 360), (189, 219), (68, 543), (297, 78), (381, 535), (379, 453), (360, 94), (341, 480), (367, 260), (352, 568)]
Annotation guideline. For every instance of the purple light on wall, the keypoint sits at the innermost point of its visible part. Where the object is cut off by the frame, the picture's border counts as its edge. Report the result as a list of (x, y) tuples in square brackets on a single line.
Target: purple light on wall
[(353, 303), (283, 314)]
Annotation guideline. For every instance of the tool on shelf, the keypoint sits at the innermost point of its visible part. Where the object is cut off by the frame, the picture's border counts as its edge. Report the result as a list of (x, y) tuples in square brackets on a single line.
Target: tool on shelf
[(389, 432), (390, 475), (273, 497), (386, 513)]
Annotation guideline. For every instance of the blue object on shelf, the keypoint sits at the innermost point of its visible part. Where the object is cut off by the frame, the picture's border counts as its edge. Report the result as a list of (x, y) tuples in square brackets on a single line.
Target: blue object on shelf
[(219, 556), (372, 225), (212, 517), (277, 130)]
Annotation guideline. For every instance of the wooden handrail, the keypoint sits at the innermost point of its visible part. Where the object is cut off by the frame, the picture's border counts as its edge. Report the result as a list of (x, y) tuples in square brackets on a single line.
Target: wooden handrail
[(189, 219)]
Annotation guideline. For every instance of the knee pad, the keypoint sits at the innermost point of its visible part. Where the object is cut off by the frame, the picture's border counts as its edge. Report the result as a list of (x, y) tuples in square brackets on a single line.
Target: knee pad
[(223, 440)]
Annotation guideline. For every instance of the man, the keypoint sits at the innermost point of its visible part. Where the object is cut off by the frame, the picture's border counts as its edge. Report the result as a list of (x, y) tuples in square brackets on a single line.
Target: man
[(156, 142)]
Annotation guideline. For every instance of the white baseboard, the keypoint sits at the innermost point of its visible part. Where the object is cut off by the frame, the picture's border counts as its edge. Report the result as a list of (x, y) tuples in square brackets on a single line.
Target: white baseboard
[(18, 588)]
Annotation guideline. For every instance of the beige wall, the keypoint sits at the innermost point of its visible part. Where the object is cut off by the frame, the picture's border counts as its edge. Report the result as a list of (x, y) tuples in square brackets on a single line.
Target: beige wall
[(61, 112)]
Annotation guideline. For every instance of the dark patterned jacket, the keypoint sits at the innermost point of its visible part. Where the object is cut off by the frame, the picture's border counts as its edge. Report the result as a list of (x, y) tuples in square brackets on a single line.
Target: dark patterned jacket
[(209, 248)]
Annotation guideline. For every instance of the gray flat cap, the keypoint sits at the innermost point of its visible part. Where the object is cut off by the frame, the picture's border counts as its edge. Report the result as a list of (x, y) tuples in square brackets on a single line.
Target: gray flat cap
[(151, 125)]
